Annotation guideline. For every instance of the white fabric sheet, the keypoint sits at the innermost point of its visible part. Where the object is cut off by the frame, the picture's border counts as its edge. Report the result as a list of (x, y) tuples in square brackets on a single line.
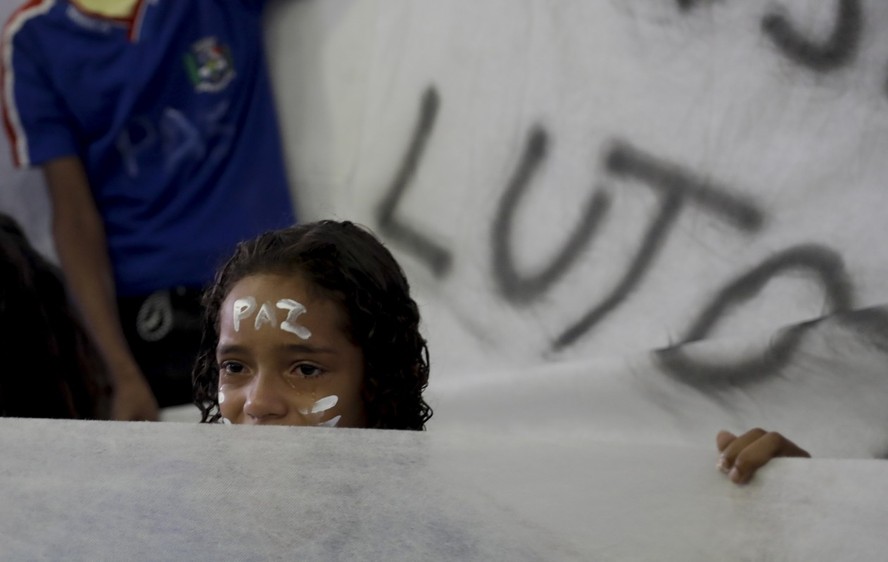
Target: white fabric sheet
[(139, 491)]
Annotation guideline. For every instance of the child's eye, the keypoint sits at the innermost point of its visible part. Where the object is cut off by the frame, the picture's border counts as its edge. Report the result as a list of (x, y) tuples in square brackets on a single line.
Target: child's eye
[(231, 368), (307, 370)]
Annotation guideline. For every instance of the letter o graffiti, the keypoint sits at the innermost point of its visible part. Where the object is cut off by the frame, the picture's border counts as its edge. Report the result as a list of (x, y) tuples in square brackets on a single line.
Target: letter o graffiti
[(829, 271)]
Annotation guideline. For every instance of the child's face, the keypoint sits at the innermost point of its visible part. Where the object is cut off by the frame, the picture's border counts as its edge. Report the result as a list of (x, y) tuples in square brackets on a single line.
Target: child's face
[(284, 357)]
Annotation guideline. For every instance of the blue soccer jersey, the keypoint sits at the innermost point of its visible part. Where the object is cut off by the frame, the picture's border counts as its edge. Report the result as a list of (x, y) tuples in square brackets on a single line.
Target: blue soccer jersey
[(171, 113)]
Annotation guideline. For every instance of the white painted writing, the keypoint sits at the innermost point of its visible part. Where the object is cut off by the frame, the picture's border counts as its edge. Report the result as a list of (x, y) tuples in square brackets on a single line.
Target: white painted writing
[(265, 316), (180, 139), (294, 310), (242, 309), (245, 307)]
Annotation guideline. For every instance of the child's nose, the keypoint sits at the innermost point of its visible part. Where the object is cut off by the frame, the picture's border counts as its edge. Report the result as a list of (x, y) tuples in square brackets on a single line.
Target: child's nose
[(265, 400)]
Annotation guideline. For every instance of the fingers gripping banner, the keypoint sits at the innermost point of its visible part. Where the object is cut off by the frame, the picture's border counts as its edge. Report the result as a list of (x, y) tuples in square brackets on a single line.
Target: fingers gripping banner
[(684, 191)]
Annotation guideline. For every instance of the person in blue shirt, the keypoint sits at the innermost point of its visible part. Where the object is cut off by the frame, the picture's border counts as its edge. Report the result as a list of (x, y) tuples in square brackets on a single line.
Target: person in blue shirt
[(153, 123)]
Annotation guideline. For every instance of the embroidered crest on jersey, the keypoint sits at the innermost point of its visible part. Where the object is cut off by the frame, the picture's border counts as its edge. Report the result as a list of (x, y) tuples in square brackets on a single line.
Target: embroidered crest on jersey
[(209, 65)]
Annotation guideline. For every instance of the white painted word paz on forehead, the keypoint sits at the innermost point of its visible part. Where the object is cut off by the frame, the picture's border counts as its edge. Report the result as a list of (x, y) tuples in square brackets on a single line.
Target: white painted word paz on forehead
[(244, 308)]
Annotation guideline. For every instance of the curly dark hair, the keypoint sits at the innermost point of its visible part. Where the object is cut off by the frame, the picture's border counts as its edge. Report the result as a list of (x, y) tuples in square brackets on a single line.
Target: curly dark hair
[(56, 371), (349, 265)]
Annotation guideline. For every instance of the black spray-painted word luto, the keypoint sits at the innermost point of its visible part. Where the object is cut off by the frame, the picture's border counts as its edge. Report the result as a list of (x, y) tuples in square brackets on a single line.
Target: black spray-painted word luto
[(677, 187)]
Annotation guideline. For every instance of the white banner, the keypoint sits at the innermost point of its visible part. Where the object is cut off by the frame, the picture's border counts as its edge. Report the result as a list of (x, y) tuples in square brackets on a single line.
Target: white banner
[(587, 181)]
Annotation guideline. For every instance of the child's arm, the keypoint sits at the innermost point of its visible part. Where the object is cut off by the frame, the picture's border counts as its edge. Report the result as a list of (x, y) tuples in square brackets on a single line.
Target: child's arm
[(742, 456), (80, 242)]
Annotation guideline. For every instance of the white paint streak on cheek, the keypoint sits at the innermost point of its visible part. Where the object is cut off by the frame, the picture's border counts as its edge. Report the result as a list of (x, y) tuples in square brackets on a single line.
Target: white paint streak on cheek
[(221, 400), (322, 405), (242, 309), (294, 310), (316, 412), (266, 315)]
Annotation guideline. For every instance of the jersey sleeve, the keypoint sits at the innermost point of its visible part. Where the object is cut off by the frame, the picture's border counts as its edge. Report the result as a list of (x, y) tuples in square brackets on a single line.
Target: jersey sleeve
[(37, 122)]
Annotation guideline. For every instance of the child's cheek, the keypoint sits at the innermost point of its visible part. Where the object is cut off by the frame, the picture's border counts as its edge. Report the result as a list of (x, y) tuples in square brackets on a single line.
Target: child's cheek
[(351, 412), (321, 412), (228, 404)]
